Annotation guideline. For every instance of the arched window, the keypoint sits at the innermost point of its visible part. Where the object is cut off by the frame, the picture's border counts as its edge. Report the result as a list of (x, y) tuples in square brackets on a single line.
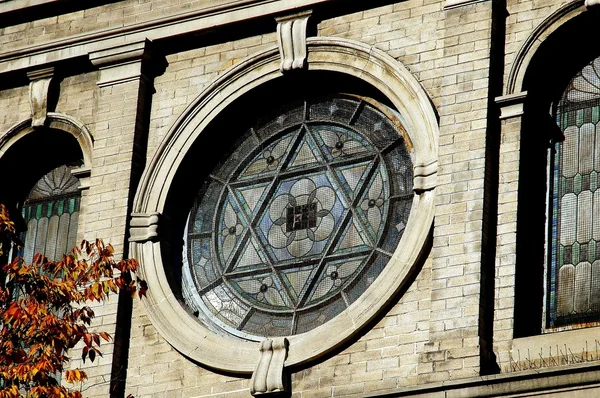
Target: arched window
[(573, 266), (44, 197), (50, 213), (296, 223)]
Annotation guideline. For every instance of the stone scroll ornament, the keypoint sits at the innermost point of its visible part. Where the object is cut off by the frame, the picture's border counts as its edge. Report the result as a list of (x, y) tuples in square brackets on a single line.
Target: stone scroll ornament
[(269, 378), (39, 88), (291, 35)]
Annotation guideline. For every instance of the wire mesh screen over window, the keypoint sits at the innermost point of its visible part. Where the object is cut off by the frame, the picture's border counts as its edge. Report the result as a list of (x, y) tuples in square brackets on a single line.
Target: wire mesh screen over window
[(574, 275), (51, 212), (294, 225)]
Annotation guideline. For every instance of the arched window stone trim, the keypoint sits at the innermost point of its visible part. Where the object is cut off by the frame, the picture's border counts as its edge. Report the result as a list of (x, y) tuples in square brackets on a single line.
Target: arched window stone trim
[(528, 107), (558, 18), (325, 54), (58, 121)]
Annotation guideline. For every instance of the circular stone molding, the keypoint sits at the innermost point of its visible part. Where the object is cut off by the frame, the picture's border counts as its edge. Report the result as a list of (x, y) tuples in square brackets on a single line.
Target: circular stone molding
[(416, 116)]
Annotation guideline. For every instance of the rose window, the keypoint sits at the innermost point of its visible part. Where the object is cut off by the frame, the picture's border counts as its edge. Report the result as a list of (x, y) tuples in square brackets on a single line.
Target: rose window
[(299, 219)]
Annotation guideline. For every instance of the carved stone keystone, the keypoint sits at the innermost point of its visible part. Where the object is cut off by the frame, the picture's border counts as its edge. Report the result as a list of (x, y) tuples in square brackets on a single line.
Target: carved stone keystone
[(39, 88), (291, 36), (269, 378), (425, 178), (143, 227)]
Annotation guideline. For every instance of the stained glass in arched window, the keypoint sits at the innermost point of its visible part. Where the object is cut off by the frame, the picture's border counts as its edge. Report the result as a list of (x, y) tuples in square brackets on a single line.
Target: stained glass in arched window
[(299, 220), (574, 258), (50, 213)]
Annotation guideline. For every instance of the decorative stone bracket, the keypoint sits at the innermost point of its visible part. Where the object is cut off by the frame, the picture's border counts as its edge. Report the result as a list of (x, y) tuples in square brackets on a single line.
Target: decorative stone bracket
[(511, 105), (425, 177), (38, 94), (143, 227), (269, 378), (291, 36)]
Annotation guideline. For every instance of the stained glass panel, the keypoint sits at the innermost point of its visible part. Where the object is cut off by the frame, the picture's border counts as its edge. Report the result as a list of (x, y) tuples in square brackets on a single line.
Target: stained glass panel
[(299, 220), (50, 213), (573, 276)]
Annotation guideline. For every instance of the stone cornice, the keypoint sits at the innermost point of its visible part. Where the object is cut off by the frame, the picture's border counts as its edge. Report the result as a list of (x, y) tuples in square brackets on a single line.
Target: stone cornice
[(207, 17), (20, 5)]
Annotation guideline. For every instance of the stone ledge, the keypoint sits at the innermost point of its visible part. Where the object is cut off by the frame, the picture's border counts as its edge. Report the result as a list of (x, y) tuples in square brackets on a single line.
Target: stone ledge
[(560, 378), (450, 4)]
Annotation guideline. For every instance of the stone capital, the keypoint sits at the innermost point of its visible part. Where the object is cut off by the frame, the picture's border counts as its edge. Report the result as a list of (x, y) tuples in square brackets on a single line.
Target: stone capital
[(511, 105), (123, 63)]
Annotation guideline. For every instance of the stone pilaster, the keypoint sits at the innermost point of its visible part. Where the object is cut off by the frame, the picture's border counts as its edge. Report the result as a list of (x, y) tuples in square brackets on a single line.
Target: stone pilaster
[(125, 86)]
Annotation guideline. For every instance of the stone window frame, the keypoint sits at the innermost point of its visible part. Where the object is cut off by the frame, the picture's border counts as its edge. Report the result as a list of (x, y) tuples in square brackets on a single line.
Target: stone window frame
[(63, 122), (518, 106), (343, 56), (59, 122)]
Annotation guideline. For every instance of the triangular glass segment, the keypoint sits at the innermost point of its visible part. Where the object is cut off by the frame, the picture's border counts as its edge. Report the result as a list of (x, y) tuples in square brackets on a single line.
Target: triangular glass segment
[(373, 206), (335, 276), (306, 154), (352, 177), (262, 289), (351, 239), (297, 279), (251, 196), (249, 257), (268, 160), (339, 143)]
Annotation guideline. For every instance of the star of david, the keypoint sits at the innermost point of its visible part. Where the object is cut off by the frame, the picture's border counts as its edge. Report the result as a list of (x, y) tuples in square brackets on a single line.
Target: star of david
[(299, 220), (295, 244)]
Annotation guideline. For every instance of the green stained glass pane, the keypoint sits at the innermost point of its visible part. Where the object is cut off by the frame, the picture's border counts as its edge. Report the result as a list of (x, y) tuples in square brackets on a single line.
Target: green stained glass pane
[(71, 205), (595, 114), (592, 251), (593, 181), (580, 117), (49, 210), (563, 186), (576, 253), (577, 184), (38, 211), (61, 207)]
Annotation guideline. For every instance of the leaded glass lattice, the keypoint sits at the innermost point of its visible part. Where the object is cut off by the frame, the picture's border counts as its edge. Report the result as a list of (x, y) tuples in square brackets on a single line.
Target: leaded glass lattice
[(294, 225), (574, 266), (50, 213)]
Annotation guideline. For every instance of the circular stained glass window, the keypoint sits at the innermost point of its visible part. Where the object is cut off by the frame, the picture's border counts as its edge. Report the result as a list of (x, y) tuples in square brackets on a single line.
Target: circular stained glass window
[(300, 218)]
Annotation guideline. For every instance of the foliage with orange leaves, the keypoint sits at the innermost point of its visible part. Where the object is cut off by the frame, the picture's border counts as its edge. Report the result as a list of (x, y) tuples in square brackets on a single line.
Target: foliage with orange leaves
[(44, 313)]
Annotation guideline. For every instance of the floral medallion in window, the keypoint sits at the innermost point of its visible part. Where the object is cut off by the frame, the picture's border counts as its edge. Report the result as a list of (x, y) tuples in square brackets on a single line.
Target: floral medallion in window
[(299, 220)]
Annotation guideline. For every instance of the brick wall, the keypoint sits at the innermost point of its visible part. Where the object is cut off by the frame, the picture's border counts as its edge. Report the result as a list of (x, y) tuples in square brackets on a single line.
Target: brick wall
[(432, 333)]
